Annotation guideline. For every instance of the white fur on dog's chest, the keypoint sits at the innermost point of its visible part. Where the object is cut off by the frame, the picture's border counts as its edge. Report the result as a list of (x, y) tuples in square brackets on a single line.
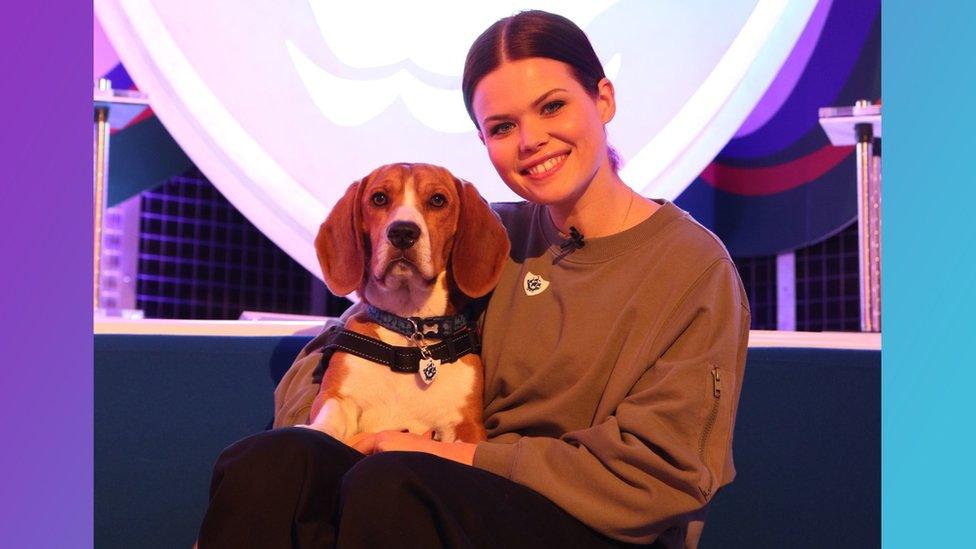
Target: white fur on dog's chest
[(395, 401)]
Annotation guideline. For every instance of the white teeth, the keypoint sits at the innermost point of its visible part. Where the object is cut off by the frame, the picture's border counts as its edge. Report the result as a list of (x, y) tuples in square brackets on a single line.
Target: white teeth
[(547, 165)]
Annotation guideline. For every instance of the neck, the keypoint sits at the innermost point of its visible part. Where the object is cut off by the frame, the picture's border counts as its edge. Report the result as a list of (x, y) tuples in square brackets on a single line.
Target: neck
[(608, 206), (412, 299)]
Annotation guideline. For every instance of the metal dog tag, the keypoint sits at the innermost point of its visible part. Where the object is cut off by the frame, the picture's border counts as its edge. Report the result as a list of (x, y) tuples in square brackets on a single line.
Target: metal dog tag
[(428, 369)]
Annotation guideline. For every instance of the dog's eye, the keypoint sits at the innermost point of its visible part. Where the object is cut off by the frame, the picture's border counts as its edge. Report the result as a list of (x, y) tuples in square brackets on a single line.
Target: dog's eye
[(378, 199), (438, 201)]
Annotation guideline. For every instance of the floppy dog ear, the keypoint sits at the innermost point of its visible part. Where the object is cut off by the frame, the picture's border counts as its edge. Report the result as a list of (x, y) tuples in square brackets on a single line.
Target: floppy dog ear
[(339, 244), (480, 244)]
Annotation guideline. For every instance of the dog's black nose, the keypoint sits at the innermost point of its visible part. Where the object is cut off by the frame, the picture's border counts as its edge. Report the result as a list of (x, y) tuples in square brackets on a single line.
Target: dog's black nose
[(403, 234)]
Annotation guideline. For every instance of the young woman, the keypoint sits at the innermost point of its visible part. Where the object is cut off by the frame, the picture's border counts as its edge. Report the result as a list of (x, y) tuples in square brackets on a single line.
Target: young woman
[(614, 346)]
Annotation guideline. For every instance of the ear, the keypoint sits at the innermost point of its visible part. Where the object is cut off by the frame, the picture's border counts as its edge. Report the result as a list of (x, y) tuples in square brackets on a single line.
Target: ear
[(480, 244), (606, 100), (339, 244)]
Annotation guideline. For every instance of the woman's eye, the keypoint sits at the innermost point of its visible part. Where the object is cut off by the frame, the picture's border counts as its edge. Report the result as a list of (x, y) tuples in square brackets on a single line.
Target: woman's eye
[(378, 199), (552, 106), (438, 201), (502, 128)]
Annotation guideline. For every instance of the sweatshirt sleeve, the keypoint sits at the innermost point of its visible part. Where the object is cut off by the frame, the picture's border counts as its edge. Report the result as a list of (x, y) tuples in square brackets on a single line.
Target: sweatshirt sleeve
[(666, 448)]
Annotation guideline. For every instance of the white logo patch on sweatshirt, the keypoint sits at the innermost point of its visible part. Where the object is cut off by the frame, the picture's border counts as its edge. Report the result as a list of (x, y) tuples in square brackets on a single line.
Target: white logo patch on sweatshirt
[(534, 284)]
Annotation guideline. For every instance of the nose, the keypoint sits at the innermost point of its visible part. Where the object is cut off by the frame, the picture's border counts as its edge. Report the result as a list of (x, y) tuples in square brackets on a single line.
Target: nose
[(402, 234), (532, 137)]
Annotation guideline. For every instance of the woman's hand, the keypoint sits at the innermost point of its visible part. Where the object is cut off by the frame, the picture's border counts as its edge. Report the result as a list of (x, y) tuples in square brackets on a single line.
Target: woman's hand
[(385, 441)]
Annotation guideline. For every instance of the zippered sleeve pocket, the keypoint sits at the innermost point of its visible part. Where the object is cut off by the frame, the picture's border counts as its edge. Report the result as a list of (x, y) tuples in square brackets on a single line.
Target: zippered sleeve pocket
[(714, 444)]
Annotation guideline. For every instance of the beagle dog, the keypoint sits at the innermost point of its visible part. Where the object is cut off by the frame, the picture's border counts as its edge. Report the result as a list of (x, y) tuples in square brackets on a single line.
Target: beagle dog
[(416, 244)]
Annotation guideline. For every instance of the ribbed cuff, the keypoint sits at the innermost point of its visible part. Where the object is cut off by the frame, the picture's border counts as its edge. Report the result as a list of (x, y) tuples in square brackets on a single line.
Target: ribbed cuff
[(495, 457)]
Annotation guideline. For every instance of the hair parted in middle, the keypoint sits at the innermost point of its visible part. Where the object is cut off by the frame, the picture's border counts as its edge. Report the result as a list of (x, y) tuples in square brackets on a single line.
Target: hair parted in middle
[(527, 34)]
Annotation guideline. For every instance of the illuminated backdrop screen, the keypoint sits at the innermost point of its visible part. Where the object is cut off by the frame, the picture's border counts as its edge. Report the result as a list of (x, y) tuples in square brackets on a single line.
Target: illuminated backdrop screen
[(283, 104)]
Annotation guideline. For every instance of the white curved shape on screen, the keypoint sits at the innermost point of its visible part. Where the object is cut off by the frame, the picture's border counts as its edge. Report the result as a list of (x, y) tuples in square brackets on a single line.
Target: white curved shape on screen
[(441, 51), (348, 103), (210, 135), (670, 161)]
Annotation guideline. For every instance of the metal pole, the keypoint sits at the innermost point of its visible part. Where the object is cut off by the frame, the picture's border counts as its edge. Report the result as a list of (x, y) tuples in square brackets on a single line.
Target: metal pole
[(786, 291), (868, 229), (101, 175), (875, 245)]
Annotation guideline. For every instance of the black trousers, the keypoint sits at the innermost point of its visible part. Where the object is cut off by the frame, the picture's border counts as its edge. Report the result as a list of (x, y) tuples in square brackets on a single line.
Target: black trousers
[(297, 487)]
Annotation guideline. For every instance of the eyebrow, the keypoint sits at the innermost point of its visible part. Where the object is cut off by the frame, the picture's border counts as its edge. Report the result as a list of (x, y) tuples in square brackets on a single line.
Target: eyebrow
[(535, 103)]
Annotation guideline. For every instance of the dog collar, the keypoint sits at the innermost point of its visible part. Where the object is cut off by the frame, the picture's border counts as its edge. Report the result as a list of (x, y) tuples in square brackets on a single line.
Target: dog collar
[(398, 359), (434, 327)]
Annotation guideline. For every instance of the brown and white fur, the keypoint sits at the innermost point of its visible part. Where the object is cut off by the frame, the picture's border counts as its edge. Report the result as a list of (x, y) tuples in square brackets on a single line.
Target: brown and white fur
[(413, 240)]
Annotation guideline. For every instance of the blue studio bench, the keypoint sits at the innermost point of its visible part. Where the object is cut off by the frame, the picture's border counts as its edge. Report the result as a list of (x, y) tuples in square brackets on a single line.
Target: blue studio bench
[(807, 439)]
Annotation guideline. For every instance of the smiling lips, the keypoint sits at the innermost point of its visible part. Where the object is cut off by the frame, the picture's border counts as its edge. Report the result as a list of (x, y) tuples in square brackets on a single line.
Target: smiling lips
[(546, 168)]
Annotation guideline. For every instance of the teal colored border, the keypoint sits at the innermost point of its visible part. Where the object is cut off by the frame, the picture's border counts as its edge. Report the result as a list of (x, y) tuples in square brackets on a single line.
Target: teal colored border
[(929, 273)]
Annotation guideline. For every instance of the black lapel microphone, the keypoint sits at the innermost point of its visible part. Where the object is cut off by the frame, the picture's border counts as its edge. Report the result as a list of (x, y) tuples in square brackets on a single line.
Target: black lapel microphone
[(575, 240)]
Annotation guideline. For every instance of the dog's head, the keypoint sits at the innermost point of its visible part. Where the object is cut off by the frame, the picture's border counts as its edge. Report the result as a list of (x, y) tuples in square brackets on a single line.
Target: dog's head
[(403, 225)]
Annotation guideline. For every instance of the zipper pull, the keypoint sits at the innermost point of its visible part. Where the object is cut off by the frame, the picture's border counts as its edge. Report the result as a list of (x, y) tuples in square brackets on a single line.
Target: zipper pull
[(717, 382)]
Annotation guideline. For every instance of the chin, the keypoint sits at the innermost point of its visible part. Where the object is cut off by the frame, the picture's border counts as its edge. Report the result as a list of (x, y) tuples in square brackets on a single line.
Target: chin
[(552, 197), (398, 274), (557, 192)]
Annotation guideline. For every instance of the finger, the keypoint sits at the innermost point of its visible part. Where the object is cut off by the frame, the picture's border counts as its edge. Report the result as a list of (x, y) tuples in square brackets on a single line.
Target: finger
[(364, 443), (385, 441)]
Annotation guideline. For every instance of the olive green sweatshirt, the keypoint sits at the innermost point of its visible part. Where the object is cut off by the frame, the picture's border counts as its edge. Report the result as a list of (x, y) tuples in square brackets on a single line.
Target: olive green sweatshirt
[(612, 372)]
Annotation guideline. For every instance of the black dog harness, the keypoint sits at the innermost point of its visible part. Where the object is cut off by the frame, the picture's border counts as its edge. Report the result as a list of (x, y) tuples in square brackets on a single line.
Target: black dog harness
[(422, 358)]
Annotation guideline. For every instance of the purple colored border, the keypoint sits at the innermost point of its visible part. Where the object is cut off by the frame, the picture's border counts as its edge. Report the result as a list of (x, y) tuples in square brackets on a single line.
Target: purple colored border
[(46, 338)]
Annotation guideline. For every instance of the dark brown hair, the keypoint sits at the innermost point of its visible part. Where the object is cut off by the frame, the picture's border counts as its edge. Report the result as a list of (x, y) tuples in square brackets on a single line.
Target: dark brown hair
[(528, 34)]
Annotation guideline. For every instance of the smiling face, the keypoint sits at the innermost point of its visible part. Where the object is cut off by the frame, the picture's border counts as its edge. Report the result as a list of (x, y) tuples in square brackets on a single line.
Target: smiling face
[(544, 132)]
